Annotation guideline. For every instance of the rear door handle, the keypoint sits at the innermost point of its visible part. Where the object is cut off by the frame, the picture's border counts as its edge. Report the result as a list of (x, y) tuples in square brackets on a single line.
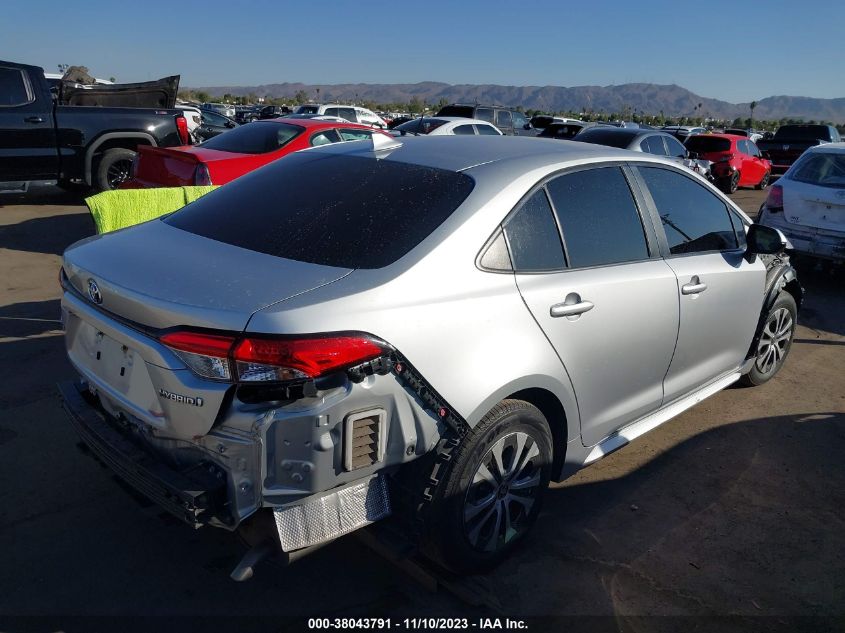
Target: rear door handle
[(694, 287), (34, 119), (573, 306)]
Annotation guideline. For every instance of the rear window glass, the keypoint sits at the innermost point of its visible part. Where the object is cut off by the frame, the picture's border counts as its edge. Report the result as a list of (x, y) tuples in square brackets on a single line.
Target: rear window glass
[(704, 144), (823, 168), (809, 132), (254, 138), (335, 210), (455, 110), (420, 126), (13, 90), (612, 137)]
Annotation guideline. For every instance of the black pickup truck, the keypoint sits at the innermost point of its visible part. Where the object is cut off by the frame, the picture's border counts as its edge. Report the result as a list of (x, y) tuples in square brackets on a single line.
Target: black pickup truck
[(42, 140), (790, 141)]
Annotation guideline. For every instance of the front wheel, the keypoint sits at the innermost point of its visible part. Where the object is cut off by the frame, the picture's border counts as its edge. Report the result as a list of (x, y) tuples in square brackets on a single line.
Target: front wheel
[(764, 182), (775, 341), (490, 497)]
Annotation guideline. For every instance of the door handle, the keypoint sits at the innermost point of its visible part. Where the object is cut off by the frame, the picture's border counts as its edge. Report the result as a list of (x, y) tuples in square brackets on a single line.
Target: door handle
[(34, 119), (694, 287), (572, 306)]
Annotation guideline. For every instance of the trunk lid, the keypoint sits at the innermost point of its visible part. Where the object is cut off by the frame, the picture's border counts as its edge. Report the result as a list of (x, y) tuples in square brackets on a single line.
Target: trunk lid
[(811, 205), (173, 167), (160, 276)]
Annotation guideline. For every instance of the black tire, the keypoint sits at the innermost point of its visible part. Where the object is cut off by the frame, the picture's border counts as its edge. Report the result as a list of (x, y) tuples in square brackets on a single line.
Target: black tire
[(513, 501), (764, 182), (730, 185), (113, 168), (775, 341)]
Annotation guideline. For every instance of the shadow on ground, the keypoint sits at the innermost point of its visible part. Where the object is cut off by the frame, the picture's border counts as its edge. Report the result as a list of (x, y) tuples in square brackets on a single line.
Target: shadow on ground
[(49, 234)]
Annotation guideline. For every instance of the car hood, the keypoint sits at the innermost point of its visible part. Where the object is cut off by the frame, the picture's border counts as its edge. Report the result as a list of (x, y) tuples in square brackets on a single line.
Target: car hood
[(160, 276)]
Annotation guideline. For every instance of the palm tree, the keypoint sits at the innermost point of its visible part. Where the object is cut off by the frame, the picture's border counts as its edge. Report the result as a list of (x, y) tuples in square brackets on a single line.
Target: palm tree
[(752, 105)]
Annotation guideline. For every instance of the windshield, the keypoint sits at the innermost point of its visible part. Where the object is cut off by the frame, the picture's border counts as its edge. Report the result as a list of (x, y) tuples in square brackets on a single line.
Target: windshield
[(329, 209), (809, 132), (824, 169), (420, 126), (707, 144), (254, 138)]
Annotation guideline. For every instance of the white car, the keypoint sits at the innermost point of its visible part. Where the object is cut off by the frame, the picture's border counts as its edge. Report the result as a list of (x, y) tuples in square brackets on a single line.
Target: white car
[(192, 115), (446, 126), (351, 113), (807, 203)]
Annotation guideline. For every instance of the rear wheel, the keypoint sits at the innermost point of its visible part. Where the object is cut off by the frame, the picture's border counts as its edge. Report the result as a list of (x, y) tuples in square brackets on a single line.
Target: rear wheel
[(490, 497), (764, 182), (775, 341), (114, 167), (730, 184)]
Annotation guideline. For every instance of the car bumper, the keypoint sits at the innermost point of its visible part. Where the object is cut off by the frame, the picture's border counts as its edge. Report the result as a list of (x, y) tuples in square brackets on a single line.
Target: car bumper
[(808, 240)]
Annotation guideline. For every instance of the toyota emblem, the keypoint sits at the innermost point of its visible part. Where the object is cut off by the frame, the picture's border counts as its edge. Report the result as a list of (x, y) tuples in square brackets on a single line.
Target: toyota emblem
[(94, 292)]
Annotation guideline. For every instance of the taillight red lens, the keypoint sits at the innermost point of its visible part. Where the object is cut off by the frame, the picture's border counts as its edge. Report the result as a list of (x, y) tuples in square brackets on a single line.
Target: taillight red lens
[(774, 201), (257, 358), (201, 175), (182, 130), (207, 355)]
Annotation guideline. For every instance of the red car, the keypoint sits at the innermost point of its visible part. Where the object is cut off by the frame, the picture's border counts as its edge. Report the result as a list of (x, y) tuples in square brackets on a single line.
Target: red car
[(236, 152), (736, 160)]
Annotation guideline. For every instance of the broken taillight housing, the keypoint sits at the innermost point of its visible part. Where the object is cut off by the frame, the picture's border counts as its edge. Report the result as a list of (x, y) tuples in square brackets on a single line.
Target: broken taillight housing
[(256, 359)]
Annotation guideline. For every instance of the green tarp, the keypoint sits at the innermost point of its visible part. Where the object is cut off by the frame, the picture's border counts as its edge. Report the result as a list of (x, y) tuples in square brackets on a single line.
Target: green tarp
[(113, 210)]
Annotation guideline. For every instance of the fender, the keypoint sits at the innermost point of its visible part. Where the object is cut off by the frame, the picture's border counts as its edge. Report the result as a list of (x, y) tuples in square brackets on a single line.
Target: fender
[(776, 281), (92, 149)]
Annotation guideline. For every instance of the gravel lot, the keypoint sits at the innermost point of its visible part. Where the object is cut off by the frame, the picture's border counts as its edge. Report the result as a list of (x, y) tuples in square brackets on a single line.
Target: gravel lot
[(733, 508)]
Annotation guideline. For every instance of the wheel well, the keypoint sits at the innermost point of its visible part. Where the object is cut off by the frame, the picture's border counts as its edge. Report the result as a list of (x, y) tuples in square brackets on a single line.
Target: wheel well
[(553, 411), (795, 289), (123, 143)]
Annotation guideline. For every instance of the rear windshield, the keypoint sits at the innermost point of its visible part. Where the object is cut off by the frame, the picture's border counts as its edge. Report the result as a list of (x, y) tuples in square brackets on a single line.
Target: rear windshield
[(704, 144), (254, 138), (564, 130), (824, 169), (809, 132), (335, 210), (420, 126), (455, 110), (613, 137)]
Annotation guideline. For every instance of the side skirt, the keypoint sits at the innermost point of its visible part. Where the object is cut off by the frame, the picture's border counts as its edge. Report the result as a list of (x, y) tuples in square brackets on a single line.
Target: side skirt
[(642, 426)]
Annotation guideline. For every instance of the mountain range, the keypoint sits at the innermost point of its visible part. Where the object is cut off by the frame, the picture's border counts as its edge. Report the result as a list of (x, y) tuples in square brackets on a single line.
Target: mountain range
[(672, 100)]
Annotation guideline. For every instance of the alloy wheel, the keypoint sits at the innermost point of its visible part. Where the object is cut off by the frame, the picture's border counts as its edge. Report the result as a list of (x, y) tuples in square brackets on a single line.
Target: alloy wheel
[(774, 342), (504, 488), (118, 172)]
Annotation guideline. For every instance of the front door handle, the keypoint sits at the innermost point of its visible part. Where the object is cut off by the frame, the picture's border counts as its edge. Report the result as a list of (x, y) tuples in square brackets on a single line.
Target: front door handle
[(694, 287), (34, 119), (572, 306)]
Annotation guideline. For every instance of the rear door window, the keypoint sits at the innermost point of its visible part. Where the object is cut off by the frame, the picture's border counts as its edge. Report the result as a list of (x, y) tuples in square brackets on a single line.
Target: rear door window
[(599, 218), (533, 237), (674, 147), (355, 135), (464, 130), (14, 88), (694, 219), (325, 137), (487, 130), (503, 118), (653, 145), (329, 209)]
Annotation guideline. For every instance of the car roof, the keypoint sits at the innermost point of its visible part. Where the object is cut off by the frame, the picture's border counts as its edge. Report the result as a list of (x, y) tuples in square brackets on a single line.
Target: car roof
[(309, 124), (828, 147), (459, 153), (730, 137)]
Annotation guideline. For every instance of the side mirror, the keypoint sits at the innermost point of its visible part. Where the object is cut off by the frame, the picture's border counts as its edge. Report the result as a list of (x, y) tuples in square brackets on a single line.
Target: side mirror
[(764, 240)]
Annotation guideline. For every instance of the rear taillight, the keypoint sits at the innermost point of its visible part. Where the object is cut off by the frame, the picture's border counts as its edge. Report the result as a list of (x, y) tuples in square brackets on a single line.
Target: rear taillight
[(264, 359), (182, 129), (201, 175), (774, 201)]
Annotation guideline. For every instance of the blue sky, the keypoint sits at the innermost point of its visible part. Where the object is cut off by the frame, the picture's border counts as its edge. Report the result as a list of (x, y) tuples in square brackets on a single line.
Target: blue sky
[(736, 51)]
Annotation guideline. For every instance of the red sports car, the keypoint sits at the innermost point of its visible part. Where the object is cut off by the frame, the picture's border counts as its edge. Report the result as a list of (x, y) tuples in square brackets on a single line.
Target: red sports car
[(736, 160), (238, 151)]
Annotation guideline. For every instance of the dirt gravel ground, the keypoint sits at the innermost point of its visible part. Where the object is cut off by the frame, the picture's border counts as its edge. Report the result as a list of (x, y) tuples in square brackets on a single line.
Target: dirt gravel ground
[(735, 508)]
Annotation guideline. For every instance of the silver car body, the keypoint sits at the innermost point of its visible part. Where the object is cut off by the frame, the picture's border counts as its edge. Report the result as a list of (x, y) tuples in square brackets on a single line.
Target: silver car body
[(813, 213), (646, 351)]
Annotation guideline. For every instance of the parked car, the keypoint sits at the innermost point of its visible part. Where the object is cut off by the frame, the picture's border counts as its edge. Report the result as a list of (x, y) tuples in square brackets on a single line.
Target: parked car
[(790, 141), (366, 328), (510, 122), (541, 121), (273, 112), (808, 203), (567, 131), (749, 134), (91, 146), (246, 114), (653, 142), (446, 125), (248, 147), (682, 132), (736, 161), (223, 109), (354, 114), (212, 124)]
